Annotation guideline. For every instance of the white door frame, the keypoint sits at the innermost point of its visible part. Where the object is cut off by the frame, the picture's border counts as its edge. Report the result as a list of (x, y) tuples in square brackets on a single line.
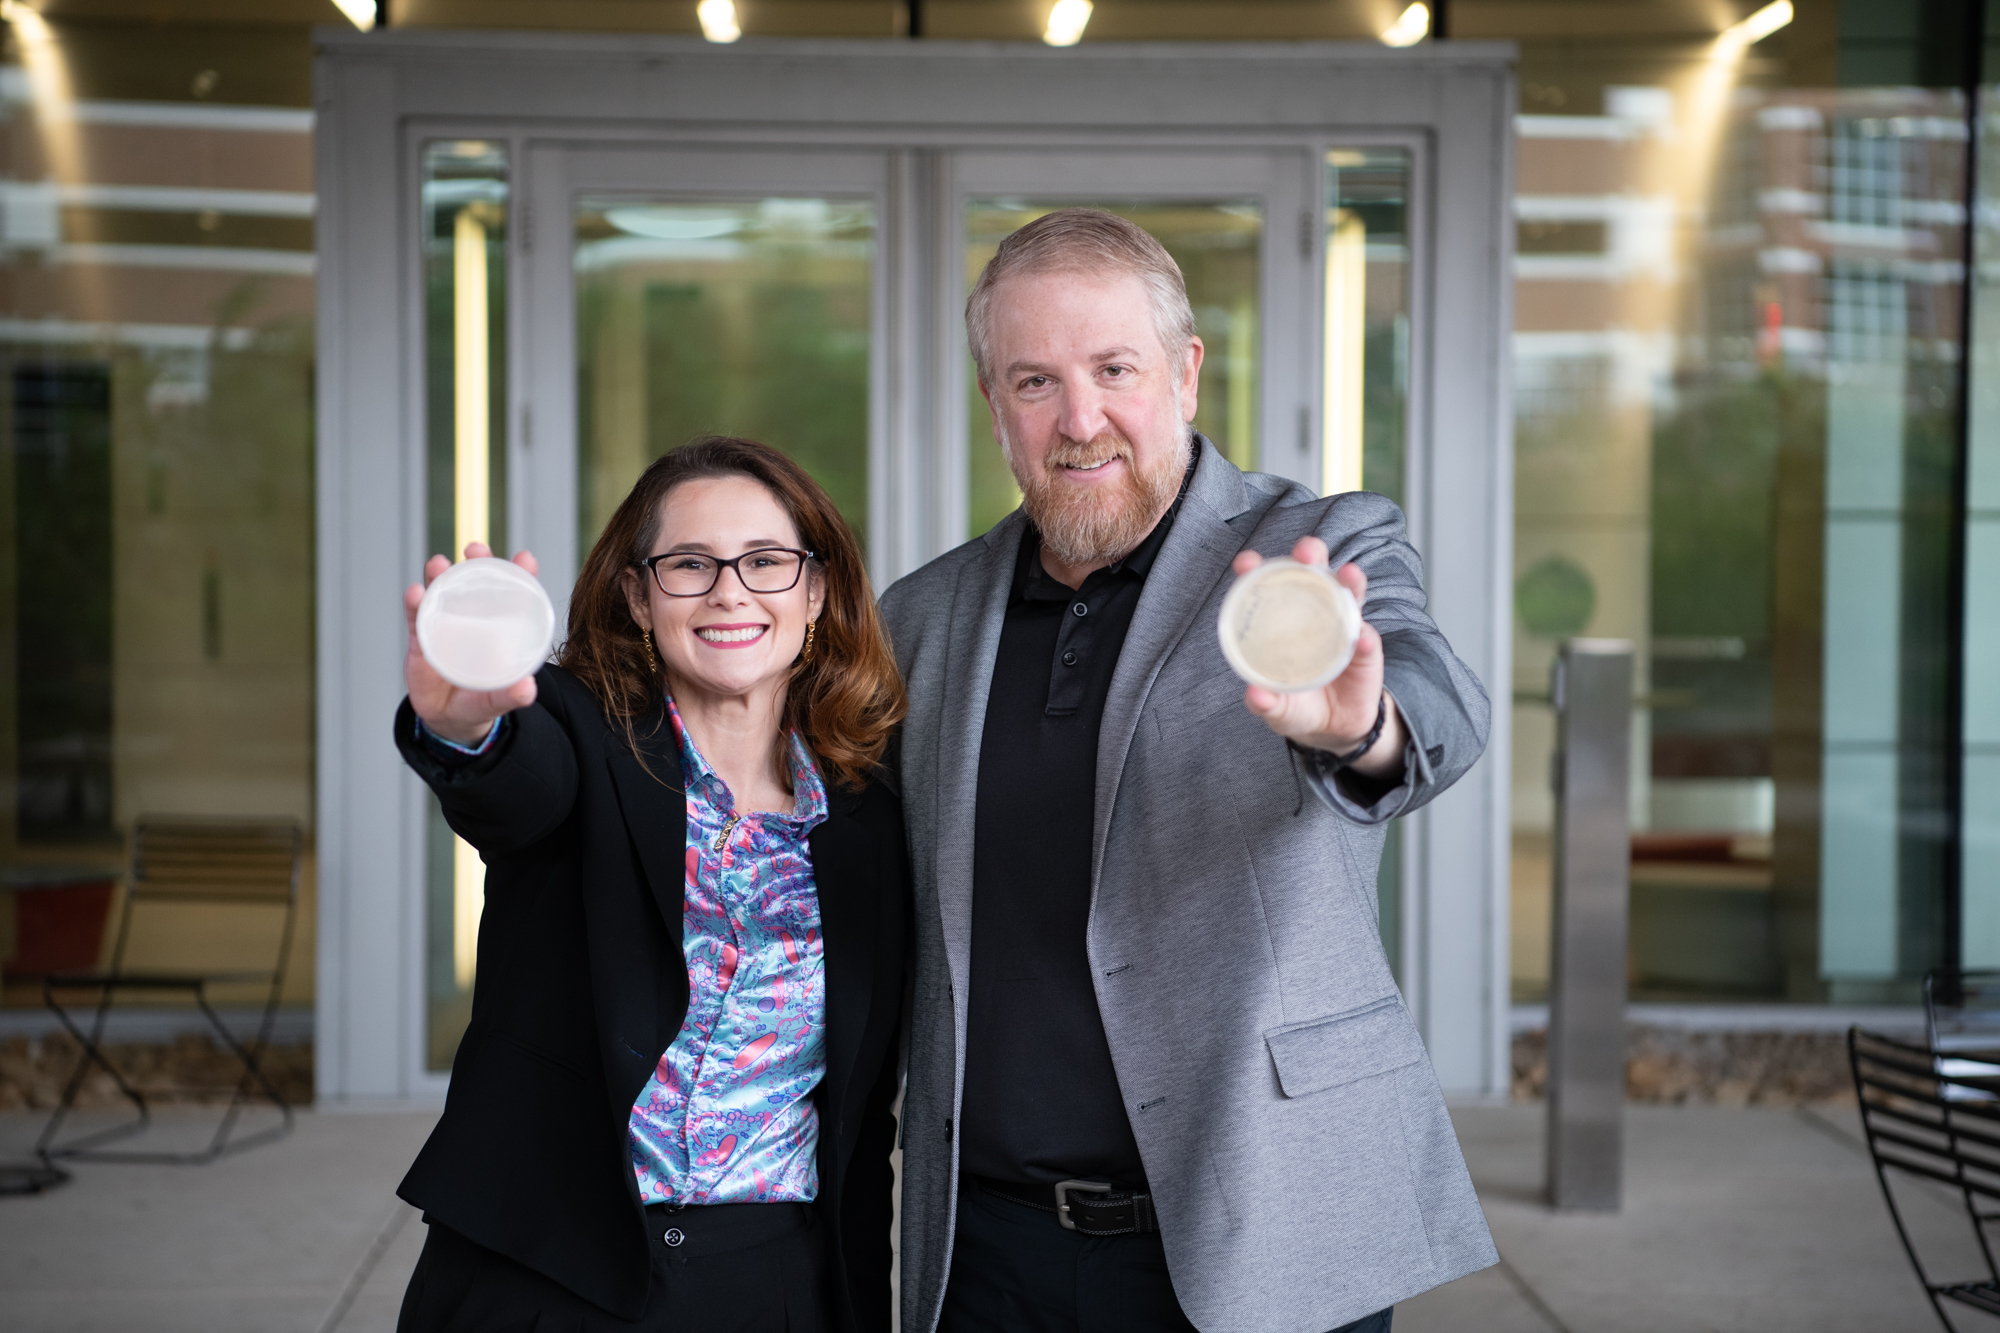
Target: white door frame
[(379, 95)]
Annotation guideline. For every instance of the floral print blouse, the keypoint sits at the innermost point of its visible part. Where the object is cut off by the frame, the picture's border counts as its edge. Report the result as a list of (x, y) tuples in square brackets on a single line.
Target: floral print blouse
[(728, 1115)]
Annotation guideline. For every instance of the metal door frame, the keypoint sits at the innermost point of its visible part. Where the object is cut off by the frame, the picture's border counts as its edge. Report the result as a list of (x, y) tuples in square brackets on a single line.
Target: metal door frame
[(379, 95)]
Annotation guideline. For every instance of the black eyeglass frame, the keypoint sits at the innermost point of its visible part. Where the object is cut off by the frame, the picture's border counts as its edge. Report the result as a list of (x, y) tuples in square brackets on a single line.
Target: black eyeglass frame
[(651, 564)]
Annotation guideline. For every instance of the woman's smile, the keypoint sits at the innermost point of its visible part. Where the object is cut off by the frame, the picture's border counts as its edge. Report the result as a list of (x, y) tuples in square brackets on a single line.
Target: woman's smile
[(730, 636)]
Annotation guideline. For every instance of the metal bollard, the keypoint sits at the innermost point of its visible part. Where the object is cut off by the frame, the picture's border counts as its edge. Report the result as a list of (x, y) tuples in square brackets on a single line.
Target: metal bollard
[(1592, 692)]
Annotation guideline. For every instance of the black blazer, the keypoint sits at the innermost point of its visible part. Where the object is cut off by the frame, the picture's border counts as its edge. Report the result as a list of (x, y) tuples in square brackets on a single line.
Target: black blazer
[(583, 985)]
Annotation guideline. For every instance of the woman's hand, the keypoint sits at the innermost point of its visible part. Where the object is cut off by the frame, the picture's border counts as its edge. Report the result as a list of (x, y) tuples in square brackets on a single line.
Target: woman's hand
[(1340, 716), (463, 716)]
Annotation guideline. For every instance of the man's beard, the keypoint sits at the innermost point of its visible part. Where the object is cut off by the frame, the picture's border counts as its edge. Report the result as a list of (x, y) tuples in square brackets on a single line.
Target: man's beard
[(1095, 525)]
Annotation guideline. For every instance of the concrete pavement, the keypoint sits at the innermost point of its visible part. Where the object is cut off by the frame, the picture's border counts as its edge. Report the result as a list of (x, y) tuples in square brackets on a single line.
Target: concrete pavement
[(1735, 1219), (1757, 1220), (301, 1236)]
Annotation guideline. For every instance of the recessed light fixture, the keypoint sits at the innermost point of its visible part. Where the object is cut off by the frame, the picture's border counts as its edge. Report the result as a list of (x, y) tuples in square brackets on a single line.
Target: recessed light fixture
[(1410, 27), (1066, 22), (718, 20)]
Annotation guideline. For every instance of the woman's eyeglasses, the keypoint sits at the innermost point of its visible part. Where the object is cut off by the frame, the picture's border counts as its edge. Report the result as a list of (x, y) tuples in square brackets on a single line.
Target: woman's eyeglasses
[(694, 574)]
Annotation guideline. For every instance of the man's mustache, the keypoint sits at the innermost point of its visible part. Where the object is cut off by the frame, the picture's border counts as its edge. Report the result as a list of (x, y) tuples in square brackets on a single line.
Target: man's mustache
[(1072, 453)]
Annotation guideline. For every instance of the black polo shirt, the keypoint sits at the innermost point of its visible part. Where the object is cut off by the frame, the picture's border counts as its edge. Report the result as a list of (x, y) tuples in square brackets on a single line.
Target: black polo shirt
[(1041, 1098)]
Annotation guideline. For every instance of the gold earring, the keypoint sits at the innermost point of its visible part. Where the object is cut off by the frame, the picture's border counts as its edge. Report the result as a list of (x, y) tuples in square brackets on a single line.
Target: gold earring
[(652, 662), (806, 653)]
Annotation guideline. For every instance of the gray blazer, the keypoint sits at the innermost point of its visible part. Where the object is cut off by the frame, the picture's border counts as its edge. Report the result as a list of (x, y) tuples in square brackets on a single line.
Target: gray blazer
[(1293, 1132)]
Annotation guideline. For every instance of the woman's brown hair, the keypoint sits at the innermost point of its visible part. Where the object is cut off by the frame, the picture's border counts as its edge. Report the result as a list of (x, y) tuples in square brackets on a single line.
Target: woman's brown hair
[(844, 700)]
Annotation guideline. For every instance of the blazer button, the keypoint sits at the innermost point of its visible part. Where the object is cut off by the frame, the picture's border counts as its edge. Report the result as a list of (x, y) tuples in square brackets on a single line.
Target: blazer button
[(674, 1236)]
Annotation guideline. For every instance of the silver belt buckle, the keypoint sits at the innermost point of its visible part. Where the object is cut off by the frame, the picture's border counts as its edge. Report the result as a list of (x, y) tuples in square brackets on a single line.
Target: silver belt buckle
[(1062, 1198)]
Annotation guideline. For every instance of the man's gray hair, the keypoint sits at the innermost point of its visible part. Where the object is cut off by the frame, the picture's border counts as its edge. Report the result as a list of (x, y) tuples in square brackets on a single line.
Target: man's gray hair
[(1084, 240)]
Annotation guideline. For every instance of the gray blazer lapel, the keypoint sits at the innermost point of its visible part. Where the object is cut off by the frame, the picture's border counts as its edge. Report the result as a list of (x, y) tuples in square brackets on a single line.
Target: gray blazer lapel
[(977, 614), (1194, 558)]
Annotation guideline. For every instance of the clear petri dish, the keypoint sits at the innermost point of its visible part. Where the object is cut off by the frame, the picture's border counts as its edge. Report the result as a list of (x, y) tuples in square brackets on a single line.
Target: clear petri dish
[(1289, 627), (485, 624)]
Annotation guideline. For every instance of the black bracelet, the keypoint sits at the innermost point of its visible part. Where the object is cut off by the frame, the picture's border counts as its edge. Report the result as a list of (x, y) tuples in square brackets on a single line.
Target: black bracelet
[(1368, 741)]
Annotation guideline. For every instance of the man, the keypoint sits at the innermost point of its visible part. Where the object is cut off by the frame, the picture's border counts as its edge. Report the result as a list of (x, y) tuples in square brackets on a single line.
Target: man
[(1160, 1075)]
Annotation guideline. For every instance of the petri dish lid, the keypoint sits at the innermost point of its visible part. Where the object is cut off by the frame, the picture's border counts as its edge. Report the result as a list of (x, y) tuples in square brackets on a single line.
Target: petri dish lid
[(485, 624), (1289, 627)]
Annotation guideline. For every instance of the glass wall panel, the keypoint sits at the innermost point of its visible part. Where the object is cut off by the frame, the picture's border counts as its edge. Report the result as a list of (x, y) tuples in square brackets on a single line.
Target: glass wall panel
[(465, 199), (1736, 354), (1367, 371), (156, 515), (1216, 244), (1366, 377), (725, 316), (1980, 813)]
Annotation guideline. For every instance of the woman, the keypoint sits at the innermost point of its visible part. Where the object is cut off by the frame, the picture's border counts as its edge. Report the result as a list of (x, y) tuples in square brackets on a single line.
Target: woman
[(671, 1108)]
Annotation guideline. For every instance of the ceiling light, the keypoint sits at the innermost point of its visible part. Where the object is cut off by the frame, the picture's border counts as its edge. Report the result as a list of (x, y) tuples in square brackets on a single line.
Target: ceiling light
[(1410, 27), (361, 13), (1758, 26), (1067, 22), (718, 20)]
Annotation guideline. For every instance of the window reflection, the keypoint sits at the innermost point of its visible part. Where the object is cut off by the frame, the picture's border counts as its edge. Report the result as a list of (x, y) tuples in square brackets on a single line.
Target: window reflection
[(728, 316), (156, 517), (1735, 420)]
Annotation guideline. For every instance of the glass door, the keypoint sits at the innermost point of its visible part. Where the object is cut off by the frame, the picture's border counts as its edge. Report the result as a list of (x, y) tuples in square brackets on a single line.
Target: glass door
[(1304, 315), (685, 292), (1226, 218), (671, 294)]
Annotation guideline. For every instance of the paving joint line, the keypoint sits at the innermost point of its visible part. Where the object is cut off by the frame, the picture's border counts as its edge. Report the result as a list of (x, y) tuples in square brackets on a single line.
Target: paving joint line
[(1530, 1295), (385, 1236), (1838, 1133)]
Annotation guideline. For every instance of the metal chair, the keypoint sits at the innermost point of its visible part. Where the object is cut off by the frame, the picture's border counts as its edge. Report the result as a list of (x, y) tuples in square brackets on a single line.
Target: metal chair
[(182, 861), (1931, 1112)]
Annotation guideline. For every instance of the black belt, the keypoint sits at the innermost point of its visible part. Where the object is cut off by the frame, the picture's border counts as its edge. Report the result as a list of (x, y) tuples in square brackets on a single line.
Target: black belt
[(1087, 1207)]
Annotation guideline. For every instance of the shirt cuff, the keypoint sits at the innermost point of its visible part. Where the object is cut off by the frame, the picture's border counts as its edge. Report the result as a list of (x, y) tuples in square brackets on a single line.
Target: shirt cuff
[(449, 750)]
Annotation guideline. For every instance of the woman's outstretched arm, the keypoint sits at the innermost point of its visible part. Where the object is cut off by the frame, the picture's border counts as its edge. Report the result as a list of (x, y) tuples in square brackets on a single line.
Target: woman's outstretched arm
[(507, 774)]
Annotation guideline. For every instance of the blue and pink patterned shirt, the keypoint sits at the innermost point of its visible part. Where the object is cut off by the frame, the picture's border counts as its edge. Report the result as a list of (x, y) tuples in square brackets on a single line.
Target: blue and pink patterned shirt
[(728, 1115)]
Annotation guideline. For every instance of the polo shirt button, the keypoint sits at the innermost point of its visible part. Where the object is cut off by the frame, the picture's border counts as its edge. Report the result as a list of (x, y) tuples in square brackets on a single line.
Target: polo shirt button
[(1069, 657), (674, 1236), (1081, 609)]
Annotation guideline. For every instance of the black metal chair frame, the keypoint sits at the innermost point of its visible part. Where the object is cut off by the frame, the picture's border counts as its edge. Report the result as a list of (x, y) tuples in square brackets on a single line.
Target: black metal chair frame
[(159, 839), (1917, 1126)]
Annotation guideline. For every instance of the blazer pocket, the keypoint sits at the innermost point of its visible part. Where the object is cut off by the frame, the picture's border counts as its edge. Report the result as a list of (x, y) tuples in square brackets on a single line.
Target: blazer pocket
[(1323, 1053)]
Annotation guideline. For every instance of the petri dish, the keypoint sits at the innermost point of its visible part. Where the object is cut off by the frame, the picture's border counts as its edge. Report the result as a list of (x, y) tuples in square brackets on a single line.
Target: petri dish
[(1289, 627), (485, 624)]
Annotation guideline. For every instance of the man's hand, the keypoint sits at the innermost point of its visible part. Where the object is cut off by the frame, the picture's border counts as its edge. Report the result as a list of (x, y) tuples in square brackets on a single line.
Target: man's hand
[(1339, 716), (464, 716)]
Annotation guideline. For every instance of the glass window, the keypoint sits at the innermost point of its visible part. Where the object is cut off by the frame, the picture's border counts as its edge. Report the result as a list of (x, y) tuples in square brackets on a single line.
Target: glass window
[(1216, 244), (465, 199), (156, 506), (1737, 362), (741, 317)]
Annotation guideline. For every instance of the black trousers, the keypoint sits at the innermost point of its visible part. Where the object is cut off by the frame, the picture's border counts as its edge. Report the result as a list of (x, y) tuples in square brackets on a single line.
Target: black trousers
[(1015, 1270), (739, 1268)]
